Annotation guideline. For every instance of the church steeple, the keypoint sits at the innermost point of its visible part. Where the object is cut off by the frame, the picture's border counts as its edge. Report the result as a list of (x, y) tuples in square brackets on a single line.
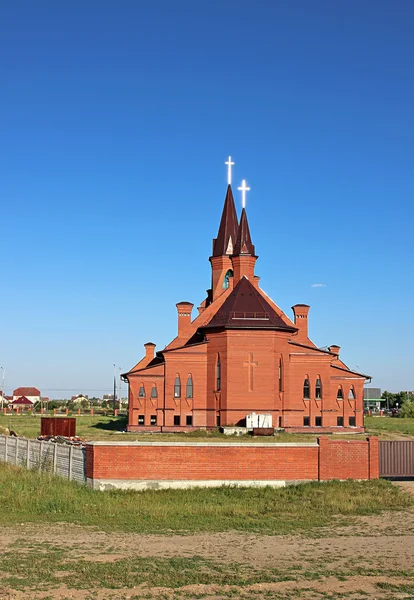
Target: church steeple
[(244, 257), (244, 241), (227, 234), (223, 247)]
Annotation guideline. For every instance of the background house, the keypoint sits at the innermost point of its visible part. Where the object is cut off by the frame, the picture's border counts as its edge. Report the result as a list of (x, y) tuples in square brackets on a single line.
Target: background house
[(372, 399), (21, 403), (79, 398), (31, 393)]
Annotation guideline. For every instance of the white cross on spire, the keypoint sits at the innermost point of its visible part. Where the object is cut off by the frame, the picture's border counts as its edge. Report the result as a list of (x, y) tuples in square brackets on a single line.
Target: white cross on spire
[(229, 163), (243, 190)]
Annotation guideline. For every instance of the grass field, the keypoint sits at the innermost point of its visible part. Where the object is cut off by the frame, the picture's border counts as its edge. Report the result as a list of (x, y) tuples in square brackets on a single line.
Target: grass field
[(60, 540), (384, 426), (282, 510), (99, 427)]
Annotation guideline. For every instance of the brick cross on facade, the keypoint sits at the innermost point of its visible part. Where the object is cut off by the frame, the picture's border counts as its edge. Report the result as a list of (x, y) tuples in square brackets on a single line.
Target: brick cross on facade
[(250, 364)]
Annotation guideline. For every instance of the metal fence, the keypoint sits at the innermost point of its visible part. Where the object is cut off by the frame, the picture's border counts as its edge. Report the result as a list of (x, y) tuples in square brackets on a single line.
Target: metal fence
[(396, 458), (65, 460)]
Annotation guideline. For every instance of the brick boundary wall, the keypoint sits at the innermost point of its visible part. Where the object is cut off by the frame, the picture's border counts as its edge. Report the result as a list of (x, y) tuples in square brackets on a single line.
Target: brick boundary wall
[(157, 465)]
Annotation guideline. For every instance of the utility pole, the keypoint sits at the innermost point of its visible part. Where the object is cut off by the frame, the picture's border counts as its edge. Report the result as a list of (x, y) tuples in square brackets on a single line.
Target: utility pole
[(114, 403), (120, 388)]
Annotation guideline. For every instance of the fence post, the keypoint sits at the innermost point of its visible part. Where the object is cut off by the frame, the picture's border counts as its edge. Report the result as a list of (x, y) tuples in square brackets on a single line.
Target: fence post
[(40, 455), (28, 453), (70, 462), (55, 449), (5, 449), (16, 450)]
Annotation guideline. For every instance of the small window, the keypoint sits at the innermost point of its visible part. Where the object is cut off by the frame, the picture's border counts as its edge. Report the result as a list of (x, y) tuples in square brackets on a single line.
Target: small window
[(229, 273), (306, 389), (218, 374), (352, 422), (218, 420), (189, 420), (177, 387), (318, 421), (351, 395), (306, 421), (153, 419), (141, 393), (154, 392), (339, 421), (177, 420), (141, 420), (189, 387), (280, 375), (339, 394), (318, 388)]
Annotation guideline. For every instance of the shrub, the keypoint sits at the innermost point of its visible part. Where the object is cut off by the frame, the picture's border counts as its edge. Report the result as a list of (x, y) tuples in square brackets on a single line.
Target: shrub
[(407, 410)]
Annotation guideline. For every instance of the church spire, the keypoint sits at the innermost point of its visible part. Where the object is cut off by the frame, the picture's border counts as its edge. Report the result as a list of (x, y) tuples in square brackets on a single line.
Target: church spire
[(244, 241), (227, 234)]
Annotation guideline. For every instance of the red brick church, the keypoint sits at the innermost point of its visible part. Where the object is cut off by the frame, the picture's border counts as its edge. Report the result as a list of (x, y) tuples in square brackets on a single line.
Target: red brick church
[(240, 354)]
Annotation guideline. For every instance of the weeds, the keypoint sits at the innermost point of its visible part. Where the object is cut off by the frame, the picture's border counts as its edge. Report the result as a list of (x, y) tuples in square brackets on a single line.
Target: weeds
[(31, 496)]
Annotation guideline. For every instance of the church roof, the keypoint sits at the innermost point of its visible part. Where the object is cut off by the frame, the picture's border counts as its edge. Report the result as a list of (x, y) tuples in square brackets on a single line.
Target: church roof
[(228, 228), (244, 241), (246, 308)]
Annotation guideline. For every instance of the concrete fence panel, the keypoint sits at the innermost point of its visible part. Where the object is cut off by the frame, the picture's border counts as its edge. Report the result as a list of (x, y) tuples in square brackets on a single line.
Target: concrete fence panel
[(64, 460)]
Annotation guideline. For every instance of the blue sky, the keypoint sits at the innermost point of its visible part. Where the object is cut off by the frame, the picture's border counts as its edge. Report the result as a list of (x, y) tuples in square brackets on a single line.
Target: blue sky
[(116, 119)]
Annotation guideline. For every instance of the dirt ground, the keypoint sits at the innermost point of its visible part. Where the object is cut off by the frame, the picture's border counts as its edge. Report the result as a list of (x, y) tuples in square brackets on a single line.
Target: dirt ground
[(373, 557)]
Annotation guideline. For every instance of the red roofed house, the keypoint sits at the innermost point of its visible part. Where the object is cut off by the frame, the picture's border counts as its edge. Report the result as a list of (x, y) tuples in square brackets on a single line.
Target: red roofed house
[(22, 403), (30, 393), (241, 355)]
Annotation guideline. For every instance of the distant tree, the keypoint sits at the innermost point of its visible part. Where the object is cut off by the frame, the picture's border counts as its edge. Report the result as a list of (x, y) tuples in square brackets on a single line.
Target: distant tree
[(390, 398), (402, 397), (407, 409), (54, 404)]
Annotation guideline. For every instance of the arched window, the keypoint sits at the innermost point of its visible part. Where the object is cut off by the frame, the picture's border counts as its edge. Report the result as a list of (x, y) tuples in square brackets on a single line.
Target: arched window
[(177, 387), (351, 395), (280, 375), (226, 279), (306, 388), (318, 388), (339, 393), (141, 393), (218, 373), (154, 392), (189, 387)]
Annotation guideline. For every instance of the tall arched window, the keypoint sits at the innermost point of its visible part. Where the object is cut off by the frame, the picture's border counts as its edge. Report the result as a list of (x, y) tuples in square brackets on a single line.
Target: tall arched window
[(141, 393), (218, 373), (339, 393), (318, 388), (306, 388), (189, 387), (154, 392), (177, 387), (280, 375), (351, 395), (226, 279)]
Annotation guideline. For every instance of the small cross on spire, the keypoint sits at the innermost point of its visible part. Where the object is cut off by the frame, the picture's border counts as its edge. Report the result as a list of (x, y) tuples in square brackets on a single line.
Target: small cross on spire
[(243, 190), (229, 163)]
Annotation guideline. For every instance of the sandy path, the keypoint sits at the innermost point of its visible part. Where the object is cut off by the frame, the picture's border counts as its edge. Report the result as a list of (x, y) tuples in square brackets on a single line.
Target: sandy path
[(377, 543)]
